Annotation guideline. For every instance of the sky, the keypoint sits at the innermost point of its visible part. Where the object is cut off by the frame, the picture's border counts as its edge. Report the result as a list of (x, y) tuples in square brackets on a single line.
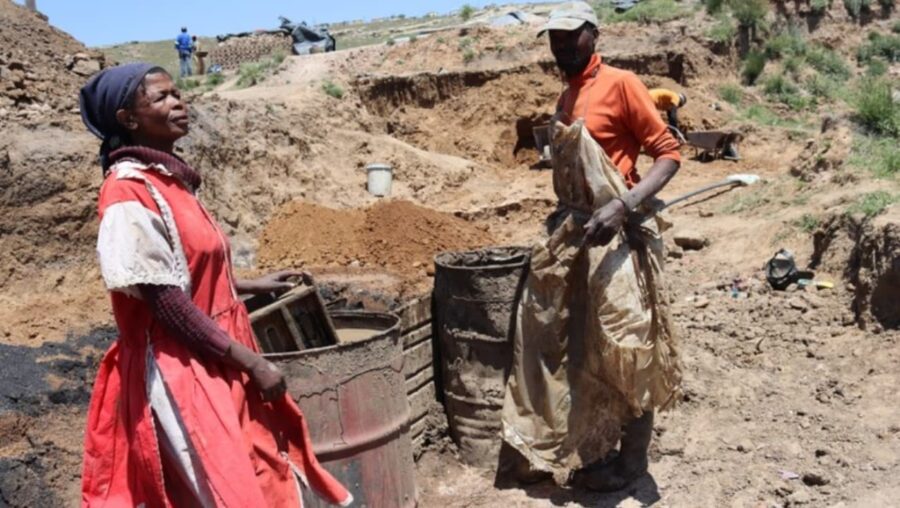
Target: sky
[(104, 22)]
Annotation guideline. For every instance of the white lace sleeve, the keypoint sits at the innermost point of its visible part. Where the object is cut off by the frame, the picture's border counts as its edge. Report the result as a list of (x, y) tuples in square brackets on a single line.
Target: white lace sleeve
[(134, 248)]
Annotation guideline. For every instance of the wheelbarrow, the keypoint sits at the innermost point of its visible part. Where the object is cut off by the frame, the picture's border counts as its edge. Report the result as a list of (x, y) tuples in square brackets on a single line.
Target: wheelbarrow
[(712, 143)]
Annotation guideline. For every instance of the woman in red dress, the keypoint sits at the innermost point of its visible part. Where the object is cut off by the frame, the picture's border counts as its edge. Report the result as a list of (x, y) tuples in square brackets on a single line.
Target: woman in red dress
[(184, 411)]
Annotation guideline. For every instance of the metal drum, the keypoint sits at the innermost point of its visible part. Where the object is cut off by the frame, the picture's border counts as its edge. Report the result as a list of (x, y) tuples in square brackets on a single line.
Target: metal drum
[(354, 398), (475, 295)]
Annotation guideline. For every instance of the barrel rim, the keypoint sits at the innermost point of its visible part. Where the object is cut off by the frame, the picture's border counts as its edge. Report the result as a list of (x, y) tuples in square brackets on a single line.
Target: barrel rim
[(389, 333), (525, 251)]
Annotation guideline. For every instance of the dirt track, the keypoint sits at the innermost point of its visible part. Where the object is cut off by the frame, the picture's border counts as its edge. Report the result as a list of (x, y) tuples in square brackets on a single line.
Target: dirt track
[(777, 384)]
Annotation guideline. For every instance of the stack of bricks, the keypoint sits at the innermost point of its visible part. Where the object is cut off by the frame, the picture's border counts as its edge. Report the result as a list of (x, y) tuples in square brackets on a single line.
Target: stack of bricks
[(235, 51)]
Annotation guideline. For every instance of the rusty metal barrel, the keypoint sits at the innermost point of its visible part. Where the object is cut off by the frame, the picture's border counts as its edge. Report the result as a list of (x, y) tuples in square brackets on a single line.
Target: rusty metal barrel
[(354, 398), (475, 296)]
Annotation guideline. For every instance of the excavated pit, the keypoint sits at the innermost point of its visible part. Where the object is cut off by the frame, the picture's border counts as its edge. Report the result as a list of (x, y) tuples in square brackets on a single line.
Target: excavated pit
[(867, 253)]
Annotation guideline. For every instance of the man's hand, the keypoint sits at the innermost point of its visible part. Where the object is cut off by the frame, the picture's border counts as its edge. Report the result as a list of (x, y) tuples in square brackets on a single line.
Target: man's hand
[(277, 282), (605, 223)]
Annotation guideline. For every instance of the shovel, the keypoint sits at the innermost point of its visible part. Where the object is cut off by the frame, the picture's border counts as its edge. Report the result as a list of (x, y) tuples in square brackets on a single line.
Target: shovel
[(737, 180)]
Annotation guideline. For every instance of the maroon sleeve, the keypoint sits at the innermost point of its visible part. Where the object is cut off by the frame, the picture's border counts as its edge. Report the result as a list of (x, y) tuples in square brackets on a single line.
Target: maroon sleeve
[(180, 317)]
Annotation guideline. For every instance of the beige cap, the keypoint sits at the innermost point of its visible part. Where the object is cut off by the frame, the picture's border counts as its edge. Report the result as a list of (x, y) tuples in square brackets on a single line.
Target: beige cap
[(570, 16)]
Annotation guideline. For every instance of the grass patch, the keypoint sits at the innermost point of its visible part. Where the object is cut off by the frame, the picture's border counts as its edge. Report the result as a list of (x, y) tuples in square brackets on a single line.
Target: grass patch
[(823, 88), (875, 154), (879, 46), (714, 6), (764, 116), (896, 27), (873, 203), (745, 202), (254, 73), (647, 12), (782, 89), (876, 109), (876, 68), (213, 80), (787, 43), (827, 62), (731, 94), (807, 223), (390, 42), (186, 84), (468, 55), (753, 66), (723, 31), (333, 90)]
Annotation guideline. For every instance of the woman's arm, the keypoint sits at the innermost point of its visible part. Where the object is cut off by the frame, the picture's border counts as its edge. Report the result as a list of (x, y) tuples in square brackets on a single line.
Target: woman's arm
[(277, 282), (181, 318)]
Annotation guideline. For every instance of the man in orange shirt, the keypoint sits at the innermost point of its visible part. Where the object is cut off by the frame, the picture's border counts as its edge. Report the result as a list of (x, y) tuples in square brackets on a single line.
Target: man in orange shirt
[(621, 117)]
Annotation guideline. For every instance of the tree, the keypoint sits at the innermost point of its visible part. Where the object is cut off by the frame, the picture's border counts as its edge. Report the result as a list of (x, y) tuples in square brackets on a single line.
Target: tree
[(466, 12)]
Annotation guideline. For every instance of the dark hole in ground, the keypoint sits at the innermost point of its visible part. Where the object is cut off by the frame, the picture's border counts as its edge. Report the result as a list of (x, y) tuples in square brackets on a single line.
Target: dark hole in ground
[(525, 149), (885, 306)]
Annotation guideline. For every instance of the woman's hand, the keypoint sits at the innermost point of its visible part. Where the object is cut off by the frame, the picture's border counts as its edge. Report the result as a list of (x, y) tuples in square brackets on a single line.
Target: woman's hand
[(269, 379), (277, 282), (605, 223)]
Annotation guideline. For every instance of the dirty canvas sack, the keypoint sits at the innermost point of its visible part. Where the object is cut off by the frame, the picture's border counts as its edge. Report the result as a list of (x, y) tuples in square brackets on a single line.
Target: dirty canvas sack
[(593, 344)]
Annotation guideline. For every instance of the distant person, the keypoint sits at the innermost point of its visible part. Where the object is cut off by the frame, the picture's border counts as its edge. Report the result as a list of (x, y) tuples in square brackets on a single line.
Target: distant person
[(185, 411), (669, 102), (199, 54), (185, 48)]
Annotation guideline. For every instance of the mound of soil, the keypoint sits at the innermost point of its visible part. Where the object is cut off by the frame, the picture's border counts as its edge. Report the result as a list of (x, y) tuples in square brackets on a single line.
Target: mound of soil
[(41, 68), (397, 236)]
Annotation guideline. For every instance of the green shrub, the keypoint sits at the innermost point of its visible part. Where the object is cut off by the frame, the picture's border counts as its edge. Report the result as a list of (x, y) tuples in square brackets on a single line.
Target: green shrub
[(876, 109), (468, 55), (827, 62), (749, 12), (873, 203), (186, 84), (250, 74), (714, 6), (896, 27), (856, 7), (887, 5), (876, 68), (793, 65), (731, 94), (753, 66), (787, 43), (822, 88), (214, 79), (879, 155), (723, 30), (278, 58), (820, 6), (782, 89), (333, 90), (413, 39), (884, 46), (808, 223), (652, 11), (390, 42), (466, 12)]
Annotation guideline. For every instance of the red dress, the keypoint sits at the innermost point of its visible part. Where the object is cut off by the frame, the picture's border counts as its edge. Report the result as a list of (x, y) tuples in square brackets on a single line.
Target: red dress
[(251, 453)]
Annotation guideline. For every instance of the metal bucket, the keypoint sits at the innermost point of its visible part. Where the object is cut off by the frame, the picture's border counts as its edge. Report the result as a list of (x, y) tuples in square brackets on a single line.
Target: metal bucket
[(354, 397), (476, 294)]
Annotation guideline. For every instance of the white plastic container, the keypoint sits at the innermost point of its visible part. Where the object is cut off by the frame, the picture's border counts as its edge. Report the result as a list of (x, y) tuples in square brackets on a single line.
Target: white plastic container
[(380, 177)]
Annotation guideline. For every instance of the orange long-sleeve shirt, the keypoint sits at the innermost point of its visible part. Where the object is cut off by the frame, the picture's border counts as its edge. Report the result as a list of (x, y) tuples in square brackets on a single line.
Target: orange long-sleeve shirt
[(620, 115)]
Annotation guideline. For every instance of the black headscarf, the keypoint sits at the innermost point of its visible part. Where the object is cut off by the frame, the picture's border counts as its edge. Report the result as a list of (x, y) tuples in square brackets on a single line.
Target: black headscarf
[(105, 94)]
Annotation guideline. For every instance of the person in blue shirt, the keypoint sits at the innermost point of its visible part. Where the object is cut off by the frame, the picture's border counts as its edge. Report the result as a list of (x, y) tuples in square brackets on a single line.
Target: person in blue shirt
[(185, 48)]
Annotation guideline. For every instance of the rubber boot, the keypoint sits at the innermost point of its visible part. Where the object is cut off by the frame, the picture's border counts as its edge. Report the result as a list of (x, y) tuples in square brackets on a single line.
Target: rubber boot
[(631, 462)]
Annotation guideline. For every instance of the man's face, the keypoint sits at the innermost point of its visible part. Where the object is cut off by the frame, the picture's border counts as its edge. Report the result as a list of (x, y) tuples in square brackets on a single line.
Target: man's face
[(573, 48)]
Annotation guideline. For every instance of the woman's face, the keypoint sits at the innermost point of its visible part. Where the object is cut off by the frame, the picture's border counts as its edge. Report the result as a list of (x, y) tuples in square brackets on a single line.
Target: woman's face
[(159, 115)]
